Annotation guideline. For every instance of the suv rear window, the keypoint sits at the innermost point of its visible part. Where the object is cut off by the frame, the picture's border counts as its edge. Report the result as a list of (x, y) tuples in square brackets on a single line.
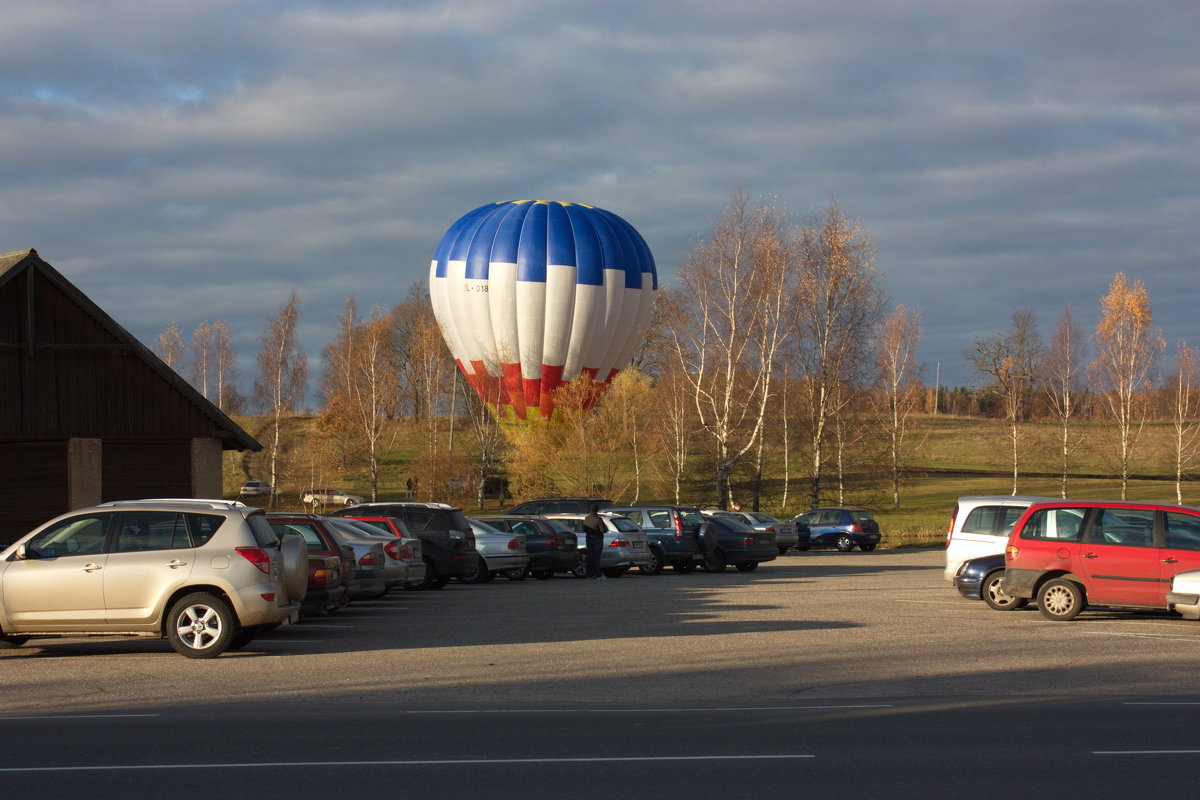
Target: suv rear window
[(992, 519), (264, 534)]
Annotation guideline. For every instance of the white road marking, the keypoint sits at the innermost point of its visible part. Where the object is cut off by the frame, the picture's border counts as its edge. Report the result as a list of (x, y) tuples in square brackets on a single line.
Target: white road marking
[(1145, 752), (408, 763), (645, 710), (77, 716)]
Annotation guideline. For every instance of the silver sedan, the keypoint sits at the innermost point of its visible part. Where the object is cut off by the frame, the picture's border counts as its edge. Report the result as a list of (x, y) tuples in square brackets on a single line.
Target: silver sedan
[(625, 544), (500, 552)]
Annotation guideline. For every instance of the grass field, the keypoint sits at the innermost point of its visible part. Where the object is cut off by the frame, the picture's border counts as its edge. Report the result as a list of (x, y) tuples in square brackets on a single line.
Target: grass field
[(956, 456)]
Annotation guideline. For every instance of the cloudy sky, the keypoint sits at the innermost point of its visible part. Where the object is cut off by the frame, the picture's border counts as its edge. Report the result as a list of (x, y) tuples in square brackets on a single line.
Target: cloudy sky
[(190, 160)]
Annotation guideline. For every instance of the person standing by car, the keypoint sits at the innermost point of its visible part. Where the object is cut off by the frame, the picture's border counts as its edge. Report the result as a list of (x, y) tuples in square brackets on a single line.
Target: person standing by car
[(593, 527)]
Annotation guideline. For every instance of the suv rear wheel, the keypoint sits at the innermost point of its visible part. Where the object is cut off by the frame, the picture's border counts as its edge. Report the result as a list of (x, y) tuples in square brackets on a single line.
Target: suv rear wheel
[(200, 625)]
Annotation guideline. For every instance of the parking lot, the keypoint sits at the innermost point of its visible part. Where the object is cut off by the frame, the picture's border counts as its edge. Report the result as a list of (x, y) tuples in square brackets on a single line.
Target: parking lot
[(812, 626), (851, 674)]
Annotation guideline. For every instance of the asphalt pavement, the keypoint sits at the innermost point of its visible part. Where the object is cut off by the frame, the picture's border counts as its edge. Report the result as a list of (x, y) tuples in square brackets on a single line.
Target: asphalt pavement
[(823, 674)]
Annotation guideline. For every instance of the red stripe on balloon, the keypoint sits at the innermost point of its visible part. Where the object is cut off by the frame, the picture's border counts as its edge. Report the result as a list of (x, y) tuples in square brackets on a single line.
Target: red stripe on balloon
[(551, 380)]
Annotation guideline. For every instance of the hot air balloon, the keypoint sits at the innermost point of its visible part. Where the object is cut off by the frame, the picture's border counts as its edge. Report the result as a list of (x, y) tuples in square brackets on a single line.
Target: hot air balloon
[(532, 294)]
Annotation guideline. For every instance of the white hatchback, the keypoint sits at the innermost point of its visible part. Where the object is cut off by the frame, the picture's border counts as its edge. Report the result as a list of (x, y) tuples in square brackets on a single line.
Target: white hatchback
[(979, 526)]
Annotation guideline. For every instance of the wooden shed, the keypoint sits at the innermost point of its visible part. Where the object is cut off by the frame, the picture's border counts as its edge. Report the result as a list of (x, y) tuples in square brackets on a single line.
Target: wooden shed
[(88, 413)]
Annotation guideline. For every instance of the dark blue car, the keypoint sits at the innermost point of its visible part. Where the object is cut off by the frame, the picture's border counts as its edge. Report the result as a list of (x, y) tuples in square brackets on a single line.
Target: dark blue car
[(843, 528), (980, 579)]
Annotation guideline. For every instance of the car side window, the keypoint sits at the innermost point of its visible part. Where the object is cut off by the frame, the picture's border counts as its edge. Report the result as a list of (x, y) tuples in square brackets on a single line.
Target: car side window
[(1061, 524), (77, 536), (1127, 527), (419, 519), (204, 527), (830, 517), (1183, 531), (982, 519), (151, 530), (623, 525), (526, 528)]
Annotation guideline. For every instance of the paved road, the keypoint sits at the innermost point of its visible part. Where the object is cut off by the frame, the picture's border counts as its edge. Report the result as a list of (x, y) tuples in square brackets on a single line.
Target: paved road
[(836, 674)]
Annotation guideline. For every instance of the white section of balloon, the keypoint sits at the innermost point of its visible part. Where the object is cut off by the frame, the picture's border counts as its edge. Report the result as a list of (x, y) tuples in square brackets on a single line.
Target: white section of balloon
[(529, 298)]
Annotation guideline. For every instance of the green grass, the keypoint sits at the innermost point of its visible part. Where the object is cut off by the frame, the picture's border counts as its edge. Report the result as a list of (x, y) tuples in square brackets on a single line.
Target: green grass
[(957, 456)]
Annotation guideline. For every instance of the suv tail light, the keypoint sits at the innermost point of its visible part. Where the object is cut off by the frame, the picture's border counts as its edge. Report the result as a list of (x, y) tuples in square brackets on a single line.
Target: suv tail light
[(950, 530), (258, 557), (678, 525)]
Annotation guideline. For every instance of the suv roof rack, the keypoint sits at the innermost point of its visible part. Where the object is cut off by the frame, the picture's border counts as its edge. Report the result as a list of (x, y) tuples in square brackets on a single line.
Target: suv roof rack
[(187, 501)]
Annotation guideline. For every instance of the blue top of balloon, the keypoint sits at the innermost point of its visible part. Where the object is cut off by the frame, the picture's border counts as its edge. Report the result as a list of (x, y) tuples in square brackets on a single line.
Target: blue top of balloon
[(534, 233)]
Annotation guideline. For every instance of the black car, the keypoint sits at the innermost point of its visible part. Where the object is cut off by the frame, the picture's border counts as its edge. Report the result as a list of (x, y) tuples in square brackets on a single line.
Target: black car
[(727, 541), (447, 541), (552, 546), (843, 528), (980, 578), (673, 532), (560, 505)]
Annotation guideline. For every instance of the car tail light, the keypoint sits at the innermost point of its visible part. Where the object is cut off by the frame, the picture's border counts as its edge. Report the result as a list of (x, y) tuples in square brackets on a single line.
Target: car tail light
[(514, 544), (269, 597), (258, 557), (552, 541), (748, 541), (950, 530), (370, 560), (395, 550), (323, 576), (619, 543), (855, 528), (1011, 551), (406, 551)]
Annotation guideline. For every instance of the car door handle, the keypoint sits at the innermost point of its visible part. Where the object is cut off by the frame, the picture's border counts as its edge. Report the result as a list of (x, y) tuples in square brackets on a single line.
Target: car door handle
[(91, 567), (1170, 561), (176, 563), (1089, 555)]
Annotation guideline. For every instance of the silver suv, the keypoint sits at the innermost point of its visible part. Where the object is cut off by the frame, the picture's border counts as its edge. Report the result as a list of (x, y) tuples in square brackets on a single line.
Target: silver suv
[(208, 575)]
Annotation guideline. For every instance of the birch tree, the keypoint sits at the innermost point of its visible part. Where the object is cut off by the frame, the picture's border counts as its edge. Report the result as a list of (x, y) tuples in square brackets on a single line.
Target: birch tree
[(1184, 429), (1127, 348), (283, 375), (896, 358), (727, 336), (202, 348), (1011, 360), (838, 300), (1061, 375), (170, 347)]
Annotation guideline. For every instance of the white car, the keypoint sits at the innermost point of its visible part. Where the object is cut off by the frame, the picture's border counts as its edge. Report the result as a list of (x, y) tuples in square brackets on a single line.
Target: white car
[(1184, 597), (329, 497), (255, 489), (979, 526)]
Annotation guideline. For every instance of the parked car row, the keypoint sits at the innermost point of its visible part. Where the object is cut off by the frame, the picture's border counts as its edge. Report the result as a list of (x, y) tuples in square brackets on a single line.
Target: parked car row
[(211, 575), (1068, 555)]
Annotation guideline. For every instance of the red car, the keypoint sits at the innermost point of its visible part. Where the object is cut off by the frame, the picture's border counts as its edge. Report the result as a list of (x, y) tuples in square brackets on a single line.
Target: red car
[(1069, 554)]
